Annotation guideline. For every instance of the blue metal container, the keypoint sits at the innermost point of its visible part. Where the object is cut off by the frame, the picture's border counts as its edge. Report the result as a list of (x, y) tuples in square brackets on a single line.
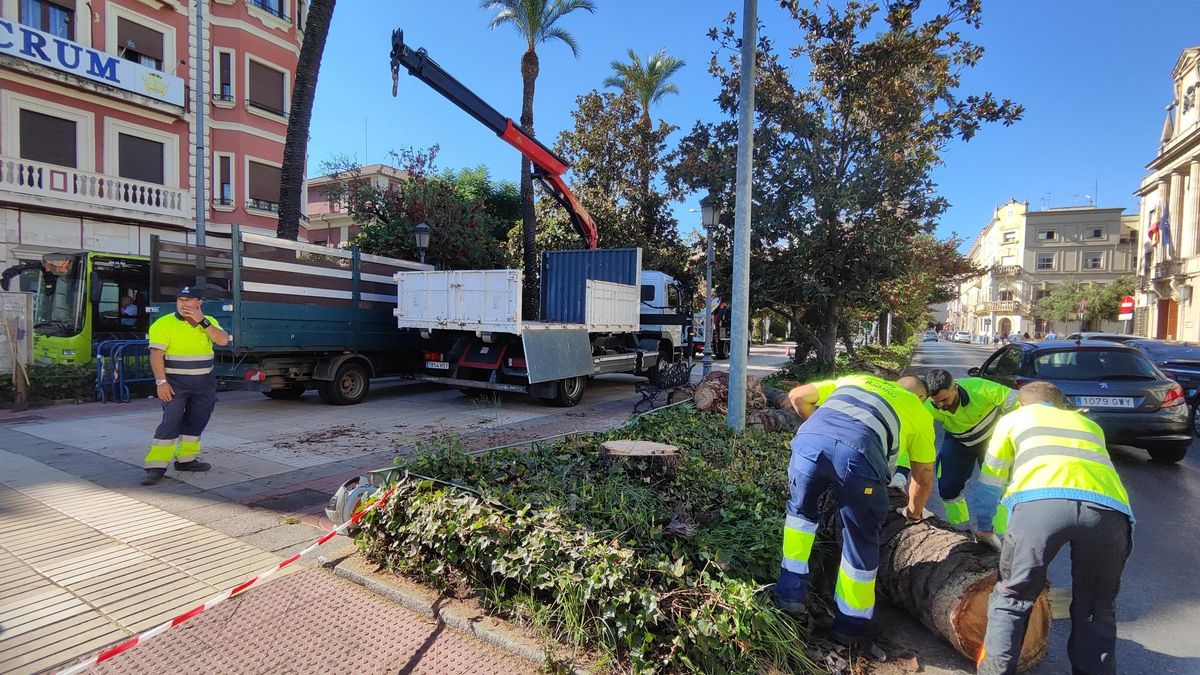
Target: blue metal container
[(565, 275)]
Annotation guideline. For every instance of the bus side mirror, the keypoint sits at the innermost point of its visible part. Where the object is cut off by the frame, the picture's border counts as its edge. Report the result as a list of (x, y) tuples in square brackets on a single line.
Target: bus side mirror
[(96, 288), (973, 372)]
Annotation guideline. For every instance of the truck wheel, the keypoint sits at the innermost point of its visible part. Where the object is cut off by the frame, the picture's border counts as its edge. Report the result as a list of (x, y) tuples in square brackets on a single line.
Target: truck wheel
[(1168, 453), (570, 391), (348, 387), (289, 393)]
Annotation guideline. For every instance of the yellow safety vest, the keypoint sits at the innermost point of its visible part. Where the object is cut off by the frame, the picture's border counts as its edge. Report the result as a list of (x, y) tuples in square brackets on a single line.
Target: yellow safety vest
[(1043, 452), (187, 349)]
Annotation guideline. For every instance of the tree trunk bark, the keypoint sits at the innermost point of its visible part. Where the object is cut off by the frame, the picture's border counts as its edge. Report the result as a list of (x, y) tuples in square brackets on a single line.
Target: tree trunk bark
[(295, 146), (827, 351), (529, 255), (937, 574)]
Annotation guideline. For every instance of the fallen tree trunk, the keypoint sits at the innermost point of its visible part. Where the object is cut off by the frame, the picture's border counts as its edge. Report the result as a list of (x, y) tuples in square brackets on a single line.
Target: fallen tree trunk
[(712, 394), (937, 574), (773, 420), (776, 398)]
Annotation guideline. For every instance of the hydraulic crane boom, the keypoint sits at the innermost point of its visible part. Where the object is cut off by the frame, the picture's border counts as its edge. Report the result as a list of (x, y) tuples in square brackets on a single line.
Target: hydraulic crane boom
[(548, 167)]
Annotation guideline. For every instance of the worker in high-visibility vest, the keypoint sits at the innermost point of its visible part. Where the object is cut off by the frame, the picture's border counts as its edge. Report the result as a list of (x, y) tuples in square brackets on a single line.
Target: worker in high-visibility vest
[(181, 358), (1060, 486), (853, 430), (967, 410)]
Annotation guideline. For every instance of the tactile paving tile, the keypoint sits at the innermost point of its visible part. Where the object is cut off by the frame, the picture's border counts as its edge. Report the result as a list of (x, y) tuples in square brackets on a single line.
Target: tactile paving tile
[(312, 622)]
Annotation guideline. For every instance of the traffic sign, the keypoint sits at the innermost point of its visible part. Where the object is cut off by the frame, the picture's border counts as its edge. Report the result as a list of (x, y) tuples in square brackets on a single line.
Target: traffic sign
[(1126, 308)]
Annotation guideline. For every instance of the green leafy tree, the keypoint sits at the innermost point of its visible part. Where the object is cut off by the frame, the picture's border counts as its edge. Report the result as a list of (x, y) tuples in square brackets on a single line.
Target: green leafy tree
[(609, 149), (462, 226), (537, 23), (304, 92), (843, 153), (1102, 301), (649, 82)]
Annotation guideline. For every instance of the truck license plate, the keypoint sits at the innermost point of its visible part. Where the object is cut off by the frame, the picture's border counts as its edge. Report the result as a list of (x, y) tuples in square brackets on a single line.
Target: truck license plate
[(1104, 401), (438, 365)]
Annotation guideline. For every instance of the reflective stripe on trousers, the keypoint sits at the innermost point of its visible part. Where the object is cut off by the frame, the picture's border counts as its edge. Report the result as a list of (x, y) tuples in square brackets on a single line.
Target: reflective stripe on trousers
[(184, 418)]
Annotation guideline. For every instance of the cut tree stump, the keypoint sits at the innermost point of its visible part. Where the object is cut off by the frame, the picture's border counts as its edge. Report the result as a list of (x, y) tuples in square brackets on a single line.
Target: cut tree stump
[(629, 448), (773, 420), (712, 394), (935, 573)]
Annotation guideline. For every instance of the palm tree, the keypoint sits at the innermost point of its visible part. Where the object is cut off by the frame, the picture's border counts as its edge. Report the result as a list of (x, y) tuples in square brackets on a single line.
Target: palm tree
[(536, 21), (304, 90), (649, 83)]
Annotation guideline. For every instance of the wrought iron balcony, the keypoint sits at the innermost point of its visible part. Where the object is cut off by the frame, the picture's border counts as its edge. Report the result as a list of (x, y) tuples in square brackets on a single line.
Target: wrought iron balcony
[(999, 306), (26, 181), (1007, 271), (1168, 269)]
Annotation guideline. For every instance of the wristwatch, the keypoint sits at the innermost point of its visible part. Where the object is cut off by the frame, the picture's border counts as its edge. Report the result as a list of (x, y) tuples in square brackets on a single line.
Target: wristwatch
[(160, 382), (205, 323)]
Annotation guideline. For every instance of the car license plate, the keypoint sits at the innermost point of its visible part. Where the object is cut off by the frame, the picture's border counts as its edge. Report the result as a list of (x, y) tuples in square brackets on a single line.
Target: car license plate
[(1104, 401), (438, 365)]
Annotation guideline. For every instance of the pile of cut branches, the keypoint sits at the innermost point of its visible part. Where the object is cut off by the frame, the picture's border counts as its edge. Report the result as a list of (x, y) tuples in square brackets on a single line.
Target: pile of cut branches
[(658, 563)]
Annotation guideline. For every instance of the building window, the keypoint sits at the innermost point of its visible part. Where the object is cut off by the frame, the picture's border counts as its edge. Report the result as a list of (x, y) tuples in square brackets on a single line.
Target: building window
[(48, 139), (1093, 260), (139, 44), (1094, 233), (223, 87), (267, 87), (1045, 261), (1047, 235), (140, 159), (1010, 237), (274, 7), (55, 18), (1007, 295), (263, 187), (224, 195), (1039, 294)]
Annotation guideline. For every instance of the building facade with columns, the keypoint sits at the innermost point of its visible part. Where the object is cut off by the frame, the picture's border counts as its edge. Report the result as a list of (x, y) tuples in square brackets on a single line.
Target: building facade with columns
[(1026, 253), (1168, 273), (97, 123)]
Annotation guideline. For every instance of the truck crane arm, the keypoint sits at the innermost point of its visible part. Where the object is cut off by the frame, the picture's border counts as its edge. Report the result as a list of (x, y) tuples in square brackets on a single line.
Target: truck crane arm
[(548, 167)]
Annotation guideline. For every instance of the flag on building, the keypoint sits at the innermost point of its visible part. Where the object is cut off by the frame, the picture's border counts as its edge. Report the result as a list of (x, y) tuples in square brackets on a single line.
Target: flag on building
[(1152, 230), (1164, 229)]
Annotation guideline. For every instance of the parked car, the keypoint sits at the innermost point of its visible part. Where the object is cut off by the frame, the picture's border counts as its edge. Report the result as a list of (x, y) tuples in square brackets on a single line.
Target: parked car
[(1133, 401), (1179, 361), (962, 336), (930, 336), (1108, 337)]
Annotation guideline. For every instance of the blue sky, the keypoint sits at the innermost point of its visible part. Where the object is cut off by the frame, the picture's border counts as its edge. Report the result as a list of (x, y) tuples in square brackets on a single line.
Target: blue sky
[(1094, 76)]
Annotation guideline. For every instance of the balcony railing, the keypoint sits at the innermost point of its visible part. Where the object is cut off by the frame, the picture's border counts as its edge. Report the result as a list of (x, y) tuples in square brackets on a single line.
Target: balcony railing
[(1168, 269), (262, 205), (275, 7), (1005, 306), (31, 181), (1006, 271)]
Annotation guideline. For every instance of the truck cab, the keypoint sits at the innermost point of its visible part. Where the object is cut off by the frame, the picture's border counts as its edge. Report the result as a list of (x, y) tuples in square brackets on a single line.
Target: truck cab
[(664, 313)]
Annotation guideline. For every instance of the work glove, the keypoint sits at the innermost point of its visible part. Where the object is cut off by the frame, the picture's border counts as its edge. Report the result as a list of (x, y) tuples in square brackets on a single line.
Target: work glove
[(989, 538), (899, 481), (925, 513)]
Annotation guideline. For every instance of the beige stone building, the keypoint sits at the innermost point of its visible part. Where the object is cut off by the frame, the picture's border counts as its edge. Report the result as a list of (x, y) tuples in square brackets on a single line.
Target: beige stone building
[(1027, 252), (1166, 308)]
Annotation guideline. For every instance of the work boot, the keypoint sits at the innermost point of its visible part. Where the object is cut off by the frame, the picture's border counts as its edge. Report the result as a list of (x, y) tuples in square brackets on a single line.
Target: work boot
[(153, 476), (194, 465), (857, 641)]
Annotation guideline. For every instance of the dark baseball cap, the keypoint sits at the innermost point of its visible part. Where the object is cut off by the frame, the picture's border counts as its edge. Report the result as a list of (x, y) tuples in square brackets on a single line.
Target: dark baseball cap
[(188, 292)]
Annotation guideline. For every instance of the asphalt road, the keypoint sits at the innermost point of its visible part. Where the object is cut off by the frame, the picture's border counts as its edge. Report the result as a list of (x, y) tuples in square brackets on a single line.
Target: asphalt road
[(1158, 611)]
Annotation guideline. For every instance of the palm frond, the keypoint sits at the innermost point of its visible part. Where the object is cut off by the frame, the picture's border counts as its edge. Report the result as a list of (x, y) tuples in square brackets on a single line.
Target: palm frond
[(556, 33)]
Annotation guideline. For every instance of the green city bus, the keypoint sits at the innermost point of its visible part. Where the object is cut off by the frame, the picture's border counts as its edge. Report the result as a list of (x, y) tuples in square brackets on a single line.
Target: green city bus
[(78, 302)]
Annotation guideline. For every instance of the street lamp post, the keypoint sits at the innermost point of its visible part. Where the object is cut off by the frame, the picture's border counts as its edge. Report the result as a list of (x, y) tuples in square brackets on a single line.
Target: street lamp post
[(709, 216), (422, 232)]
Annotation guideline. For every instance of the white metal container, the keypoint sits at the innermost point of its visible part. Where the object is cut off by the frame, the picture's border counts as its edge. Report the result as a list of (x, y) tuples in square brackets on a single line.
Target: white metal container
[(612, 307), (476, 300)]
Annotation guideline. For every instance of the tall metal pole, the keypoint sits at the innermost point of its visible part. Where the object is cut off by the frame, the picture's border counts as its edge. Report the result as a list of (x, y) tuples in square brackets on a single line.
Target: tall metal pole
[(201, 201), (740, 339), (709, 333)]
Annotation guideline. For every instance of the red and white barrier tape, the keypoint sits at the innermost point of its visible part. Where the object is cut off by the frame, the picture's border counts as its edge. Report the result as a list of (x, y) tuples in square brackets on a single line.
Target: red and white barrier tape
[(221, 597)]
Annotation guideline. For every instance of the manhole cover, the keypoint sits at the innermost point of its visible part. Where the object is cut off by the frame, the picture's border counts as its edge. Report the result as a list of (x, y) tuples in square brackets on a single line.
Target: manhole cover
[(300, 501)]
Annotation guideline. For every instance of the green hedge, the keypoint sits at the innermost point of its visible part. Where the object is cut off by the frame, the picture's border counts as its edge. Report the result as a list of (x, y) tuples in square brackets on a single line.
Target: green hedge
[(659, 565), (54, 383)]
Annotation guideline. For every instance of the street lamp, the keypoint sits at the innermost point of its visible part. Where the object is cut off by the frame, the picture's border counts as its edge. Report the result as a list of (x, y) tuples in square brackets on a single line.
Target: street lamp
[(422, 232), (710, 215)]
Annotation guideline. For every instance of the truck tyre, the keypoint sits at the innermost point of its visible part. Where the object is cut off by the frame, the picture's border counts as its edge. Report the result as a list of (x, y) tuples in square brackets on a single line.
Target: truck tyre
[(1168, 453), (348, 387), (291, 392), (570, 391)]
